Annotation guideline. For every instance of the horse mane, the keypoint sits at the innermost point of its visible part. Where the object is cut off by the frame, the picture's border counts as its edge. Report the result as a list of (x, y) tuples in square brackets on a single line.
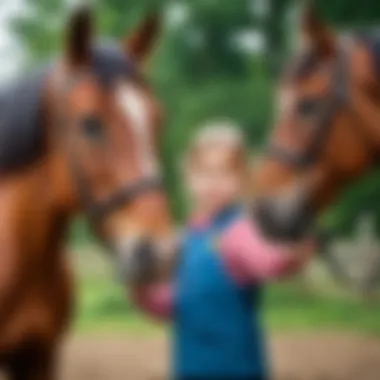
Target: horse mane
[(306, 62), (371, 39), (22, 141), (20, 116)]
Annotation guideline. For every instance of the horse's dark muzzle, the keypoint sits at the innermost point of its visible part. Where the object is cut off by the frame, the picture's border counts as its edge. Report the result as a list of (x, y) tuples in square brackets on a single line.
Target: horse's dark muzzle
[(281, 221), (139, 265), (145, 263)]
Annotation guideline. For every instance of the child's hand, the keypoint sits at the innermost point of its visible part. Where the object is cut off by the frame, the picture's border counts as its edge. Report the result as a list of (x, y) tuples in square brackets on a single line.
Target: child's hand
[(251, 257)]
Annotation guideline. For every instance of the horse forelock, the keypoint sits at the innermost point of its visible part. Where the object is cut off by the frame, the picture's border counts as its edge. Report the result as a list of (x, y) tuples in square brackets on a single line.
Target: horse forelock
[(307, 61), (110, 63), (302, 65)]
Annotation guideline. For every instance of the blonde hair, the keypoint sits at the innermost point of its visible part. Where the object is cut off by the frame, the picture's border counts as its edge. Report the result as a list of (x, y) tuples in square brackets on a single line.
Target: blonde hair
[(222, 133)]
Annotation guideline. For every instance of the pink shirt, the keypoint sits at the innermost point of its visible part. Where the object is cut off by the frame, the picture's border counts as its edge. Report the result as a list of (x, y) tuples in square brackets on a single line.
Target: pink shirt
[(248, 257)]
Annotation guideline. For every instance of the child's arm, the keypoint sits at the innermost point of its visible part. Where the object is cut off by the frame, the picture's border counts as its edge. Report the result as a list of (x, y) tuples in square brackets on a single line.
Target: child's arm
[(156, 300), (249, 256)]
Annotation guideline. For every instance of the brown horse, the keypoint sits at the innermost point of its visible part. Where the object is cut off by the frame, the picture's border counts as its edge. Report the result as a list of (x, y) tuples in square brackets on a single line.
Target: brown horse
[(80, 136), (327, 131)]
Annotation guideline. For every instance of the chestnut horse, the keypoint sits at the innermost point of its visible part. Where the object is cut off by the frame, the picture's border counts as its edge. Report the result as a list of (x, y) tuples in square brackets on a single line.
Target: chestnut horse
[(79, 136), (327, 130)]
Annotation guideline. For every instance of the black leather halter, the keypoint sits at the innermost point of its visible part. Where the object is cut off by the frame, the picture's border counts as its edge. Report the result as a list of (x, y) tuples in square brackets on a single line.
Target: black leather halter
[(332, 101), (97, 210)]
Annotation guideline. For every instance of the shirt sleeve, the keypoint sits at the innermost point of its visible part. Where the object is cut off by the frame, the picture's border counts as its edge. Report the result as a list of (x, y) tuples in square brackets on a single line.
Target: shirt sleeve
[(156, 300), (249, 257)]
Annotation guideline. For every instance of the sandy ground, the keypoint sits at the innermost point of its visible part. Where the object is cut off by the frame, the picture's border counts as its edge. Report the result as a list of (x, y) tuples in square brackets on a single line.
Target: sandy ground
[(319, 356)]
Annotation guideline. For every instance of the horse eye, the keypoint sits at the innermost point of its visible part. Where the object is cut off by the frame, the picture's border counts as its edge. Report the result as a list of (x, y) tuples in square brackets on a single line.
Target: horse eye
[(307, 107), (92, 127)]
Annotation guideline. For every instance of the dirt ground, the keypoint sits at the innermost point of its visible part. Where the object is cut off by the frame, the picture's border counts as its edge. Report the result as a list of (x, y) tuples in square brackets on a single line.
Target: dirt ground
[(319, 356)]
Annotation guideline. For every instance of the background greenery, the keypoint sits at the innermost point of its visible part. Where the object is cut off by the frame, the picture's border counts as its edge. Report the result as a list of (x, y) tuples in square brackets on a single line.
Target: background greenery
[(215, 59), (287, 307)]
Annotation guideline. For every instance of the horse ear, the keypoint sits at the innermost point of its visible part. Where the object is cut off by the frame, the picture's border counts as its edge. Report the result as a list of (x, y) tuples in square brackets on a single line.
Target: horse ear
[(144, 38), (79, 37), (316, 33)]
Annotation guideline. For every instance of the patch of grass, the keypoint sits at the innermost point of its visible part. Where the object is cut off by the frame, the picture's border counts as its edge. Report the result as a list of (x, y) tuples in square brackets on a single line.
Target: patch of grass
[(103, 306), (291, 306)]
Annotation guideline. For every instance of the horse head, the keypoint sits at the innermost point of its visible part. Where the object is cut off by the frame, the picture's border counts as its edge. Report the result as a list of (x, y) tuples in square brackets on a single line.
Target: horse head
[(103, 124), (326, 131)]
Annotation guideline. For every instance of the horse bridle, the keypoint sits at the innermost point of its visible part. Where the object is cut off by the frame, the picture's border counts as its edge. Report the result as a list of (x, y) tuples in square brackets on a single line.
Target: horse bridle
[(332, 101), (97, 210)]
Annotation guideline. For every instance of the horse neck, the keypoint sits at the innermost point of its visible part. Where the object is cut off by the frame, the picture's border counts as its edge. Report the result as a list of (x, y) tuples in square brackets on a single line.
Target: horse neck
[(36, 201), (37, 223)]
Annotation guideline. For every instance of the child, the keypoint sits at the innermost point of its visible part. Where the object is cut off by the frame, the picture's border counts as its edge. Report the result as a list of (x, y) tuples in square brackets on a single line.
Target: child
[(214, 296)]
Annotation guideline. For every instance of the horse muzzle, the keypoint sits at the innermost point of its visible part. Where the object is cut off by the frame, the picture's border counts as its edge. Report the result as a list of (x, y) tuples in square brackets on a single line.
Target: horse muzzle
[(144, 260), (287, 216)]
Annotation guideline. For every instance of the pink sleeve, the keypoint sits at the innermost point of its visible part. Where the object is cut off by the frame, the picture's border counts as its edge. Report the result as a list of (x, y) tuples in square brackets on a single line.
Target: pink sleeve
[(155, 300), (248, 256)]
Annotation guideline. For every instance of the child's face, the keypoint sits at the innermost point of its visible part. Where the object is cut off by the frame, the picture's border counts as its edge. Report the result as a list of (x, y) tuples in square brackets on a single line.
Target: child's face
[(213, 178)]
